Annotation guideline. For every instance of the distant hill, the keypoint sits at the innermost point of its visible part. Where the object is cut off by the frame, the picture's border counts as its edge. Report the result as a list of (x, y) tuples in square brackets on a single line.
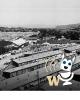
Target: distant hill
[(68, 27), (17, 29), (71, 31)]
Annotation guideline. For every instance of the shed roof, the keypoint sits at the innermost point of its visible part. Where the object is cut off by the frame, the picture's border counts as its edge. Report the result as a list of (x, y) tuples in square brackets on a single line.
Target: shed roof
[(24, 66), (37, 56), (19, 41)]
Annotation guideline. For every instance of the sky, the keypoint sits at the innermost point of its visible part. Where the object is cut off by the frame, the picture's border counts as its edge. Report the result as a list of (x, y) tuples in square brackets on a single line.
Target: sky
[(39, 13)]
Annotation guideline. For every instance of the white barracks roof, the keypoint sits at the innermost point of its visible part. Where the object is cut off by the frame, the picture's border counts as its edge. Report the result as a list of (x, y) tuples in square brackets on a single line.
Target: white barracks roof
[(19, 41), (37, 56)]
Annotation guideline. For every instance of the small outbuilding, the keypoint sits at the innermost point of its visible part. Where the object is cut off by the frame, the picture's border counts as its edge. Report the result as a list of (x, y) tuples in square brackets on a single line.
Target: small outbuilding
[(19, 41)]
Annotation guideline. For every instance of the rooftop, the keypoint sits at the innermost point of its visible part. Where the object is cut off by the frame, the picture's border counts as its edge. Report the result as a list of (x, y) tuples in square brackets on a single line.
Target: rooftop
[(77, 60), (19, 41), (72, 48), (37, 56), (24, 66)]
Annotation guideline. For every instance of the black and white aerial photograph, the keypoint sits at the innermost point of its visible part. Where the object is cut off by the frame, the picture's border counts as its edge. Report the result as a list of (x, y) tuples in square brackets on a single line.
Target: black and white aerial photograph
[(39, 45)]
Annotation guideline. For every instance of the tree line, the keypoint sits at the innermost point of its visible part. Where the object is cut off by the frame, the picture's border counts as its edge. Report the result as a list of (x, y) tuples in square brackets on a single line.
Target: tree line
[(68, 34)]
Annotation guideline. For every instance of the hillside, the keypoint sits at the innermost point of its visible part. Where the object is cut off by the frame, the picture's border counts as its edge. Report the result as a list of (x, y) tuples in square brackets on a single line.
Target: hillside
[(68, 31)]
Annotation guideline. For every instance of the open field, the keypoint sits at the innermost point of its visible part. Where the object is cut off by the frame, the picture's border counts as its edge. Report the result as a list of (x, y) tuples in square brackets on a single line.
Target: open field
[(13, 35)]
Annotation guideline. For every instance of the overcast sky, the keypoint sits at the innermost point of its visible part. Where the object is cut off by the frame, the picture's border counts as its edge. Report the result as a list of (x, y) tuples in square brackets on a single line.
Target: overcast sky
[(39, 12)]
